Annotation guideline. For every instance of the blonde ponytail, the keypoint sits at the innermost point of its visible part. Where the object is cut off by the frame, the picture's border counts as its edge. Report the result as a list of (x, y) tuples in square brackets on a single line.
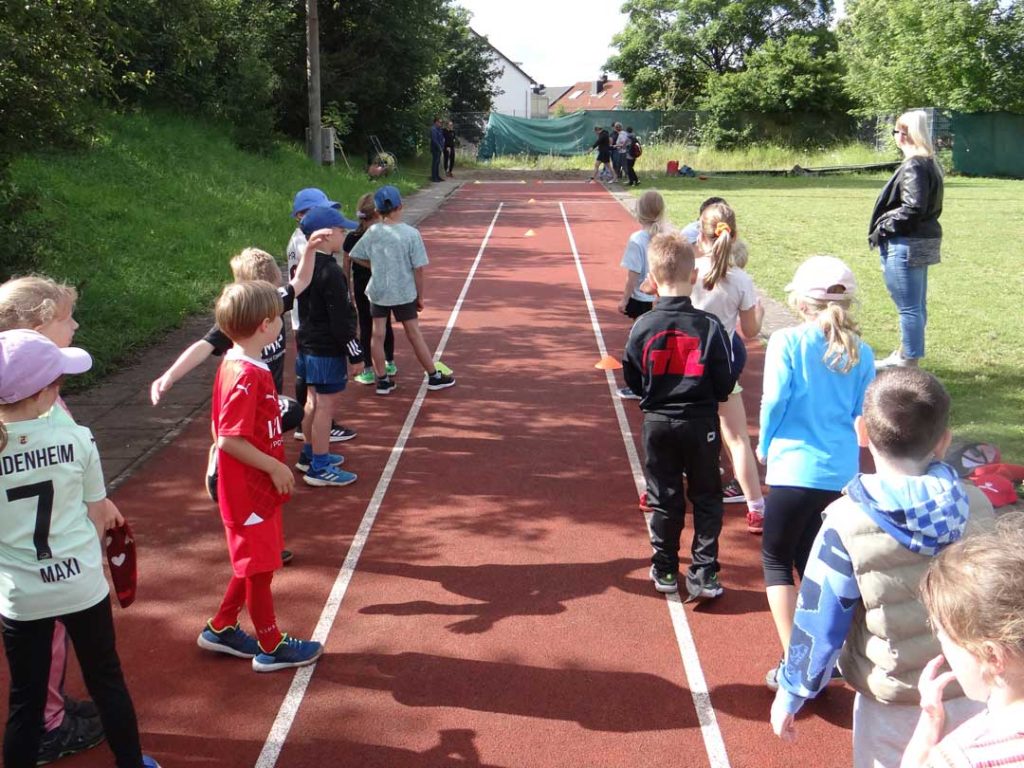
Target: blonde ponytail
[(718, 227), (841, 331)]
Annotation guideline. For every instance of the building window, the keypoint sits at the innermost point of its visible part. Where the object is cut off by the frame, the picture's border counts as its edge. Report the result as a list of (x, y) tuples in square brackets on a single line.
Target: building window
[(576, 94)]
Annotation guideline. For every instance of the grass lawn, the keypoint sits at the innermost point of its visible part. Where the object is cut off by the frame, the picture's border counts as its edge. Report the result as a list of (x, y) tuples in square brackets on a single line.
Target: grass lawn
[(974, 338), (145, 221)]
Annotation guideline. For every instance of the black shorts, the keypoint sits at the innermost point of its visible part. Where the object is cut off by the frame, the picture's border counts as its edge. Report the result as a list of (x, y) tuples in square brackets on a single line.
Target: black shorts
[(635, 307), (402, 312), (604, 156)]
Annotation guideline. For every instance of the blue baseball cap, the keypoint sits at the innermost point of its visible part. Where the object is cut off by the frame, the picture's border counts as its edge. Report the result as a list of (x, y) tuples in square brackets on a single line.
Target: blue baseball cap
[(311, 197), (387, 199), (323, 217)]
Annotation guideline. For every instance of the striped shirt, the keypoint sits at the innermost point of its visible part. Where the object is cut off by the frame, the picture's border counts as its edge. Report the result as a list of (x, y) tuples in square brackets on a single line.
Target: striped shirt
[(985, 741)]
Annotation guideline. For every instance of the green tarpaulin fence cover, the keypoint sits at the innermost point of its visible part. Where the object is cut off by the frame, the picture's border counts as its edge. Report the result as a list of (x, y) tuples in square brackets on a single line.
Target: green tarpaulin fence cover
[(569, 135), (989, 144)]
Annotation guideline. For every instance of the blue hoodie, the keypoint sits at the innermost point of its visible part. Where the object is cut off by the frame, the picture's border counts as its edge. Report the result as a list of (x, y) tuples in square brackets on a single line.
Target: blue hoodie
[(923, 513)]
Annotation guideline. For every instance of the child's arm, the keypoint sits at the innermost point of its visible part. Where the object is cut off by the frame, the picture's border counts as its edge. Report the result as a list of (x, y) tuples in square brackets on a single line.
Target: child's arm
[(928, 731), (750, 320), (281, 475), (304, 269), (417, 275), (104, 515), (778, 375), (719, 362), (632, 278), (188, 360), (632, 362)]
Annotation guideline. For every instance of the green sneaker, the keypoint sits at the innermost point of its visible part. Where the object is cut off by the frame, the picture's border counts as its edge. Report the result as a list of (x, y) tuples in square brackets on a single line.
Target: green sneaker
[(365, 377), (390, 368), (664, 582)]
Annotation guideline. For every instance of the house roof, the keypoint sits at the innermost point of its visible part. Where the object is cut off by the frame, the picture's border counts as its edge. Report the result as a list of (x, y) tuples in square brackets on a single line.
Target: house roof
[(582, 95), (555, 92), (503, 56)]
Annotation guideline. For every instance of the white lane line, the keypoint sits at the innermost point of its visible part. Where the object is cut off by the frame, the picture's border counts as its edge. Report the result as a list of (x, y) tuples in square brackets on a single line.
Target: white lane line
[(296, 692), (713, 743)]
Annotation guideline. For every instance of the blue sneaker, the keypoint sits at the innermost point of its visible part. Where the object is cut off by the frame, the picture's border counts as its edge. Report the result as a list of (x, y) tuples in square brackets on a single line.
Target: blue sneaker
[(329, 476), (149, 762), (306, 459), (233, 641), (290, 652)]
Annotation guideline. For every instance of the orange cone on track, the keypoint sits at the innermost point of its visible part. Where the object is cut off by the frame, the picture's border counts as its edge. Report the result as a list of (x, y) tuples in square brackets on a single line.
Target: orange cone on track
[(529, 233), (608, 363)]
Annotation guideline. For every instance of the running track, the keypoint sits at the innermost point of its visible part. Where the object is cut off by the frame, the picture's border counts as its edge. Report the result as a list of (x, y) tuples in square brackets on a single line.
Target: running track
[(485, 581)]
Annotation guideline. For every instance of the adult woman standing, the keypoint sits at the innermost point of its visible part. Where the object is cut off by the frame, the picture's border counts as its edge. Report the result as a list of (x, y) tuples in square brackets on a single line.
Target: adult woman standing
[(905, 226)]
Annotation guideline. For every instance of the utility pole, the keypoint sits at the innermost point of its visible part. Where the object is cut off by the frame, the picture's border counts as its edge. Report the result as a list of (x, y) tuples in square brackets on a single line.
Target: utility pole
[(313, 80)]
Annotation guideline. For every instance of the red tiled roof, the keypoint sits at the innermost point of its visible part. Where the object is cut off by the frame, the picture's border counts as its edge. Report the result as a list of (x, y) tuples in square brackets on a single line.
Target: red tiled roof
[(581, 96)]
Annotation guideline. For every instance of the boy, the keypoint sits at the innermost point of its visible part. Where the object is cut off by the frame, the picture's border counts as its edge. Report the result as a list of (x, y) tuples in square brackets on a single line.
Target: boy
[(253, 482), (327, 328), (677, 361), (861, 583), (311, 197), (395, 253)]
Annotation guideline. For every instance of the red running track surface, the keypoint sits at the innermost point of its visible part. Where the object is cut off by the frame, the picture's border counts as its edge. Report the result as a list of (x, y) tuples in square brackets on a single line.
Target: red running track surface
[(499, 612)]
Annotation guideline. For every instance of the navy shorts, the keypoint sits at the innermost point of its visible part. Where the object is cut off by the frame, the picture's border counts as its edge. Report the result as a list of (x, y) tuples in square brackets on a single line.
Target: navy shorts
[(326, 375), (402, 312), (739, 354)]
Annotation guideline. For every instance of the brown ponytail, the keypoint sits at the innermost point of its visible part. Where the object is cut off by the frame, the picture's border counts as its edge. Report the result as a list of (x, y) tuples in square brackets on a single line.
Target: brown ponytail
[(718, 227), (366, 211)]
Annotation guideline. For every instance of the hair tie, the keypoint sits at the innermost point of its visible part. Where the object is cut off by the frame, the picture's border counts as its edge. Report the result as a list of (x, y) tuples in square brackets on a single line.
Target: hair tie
[(721, 227)]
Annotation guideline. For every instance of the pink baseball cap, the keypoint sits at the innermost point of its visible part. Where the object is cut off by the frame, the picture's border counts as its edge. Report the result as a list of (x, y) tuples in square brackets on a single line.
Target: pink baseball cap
[(29, 362), (823, 278)]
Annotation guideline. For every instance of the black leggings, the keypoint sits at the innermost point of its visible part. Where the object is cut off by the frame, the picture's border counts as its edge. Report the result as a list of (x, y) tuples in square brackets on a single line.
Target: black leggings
[(360, 277), (792, 517), (28, 656)]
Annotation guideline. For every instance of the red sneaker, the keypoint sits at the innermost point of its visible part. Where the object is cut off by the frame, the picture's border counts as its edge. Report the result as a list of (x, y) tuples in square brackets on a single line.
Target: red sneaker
[(755, 522)]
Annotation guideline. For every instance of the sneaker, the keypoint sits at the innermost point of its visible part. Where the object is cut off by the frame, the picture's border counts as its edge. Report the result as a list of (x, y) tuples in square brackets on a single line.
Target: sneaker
[(755, 522), (625, 393), (149, 762), (440, 381), (233, 641), (340, 434), (709, 590), (386, 386), (80, 707), (286, 556), (644, 506), (896, 360), (664, 582), (390, 368), (211, 474), (73, 735), (772, 678), (305, 459), (365, 377), (290, 652), (440, 367), (732, 493), (329, 476)]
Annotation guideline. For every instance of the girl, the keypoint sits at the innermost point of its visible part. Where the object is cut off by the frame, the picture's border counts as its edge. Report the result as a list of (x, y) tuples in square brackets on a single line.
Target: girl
[(728, 292), (50, 556), (38, 303), (815, 375), (974, 594), (359, 277)]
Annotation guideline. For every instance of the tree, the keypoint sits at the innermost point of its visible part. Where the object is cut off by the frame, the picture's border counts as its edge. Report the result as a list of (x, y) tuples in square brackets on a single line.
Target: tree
[(966, 55), (469, 68), (670, 47)]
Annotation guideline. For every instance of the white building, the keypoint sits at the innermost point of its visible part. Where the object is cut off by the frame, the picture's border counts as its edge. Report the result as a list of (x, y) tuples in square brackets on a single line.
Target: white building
[(516, 88)]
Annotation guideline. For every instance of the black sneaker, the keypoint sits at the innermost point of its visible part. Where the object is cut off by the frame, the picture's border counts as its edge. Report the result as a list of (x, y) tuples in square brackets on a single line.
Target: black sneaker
[(709, 590), (286, 556), (386, 385), (439, 380), (732, 493), (73, 735), (80, 707), (340, 434), (664, 582)]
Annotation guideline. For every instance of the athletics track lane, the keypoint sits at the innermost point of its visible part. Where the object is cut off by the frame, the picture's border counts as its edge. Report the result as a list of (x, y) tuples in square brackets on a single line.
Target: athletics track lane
[(500, 614)]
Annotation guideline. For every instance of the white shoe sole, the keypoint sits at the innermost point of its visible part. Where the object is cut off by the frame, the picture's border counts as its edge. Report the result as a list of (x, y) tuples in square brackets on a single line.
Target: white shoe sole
[(436, 387), (318, 483), (258, 667), (206, 645), (665, 590)]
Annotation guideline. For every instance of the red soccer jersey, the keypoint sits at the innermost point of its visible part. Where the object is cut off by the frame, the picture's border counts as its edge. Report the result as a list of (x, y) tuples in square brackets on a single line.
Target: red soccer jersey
[(245, 405)]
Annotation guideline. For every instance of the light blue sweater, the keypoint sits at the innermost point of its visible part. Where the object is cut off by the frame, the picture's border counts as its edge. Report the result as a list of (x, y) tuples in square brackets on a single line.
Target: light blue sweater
[(807, 411)]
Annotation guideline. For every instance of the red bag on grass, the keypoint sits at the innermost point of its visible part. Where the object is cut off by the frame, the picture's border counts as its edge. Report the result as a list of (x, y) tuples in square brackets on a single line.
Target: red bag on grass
[(121, 558)]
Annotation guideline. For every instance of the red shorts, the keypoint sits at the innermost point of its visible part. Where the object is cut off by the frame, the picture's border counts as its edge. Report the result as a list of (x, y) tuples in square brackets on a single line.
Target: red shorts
[(256, 548)]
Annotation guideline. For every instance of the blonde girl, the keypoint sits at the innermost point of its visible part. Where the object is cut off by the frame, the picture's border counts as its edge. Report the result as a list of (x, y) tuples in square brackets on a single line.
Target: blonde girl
[(727, 292), (815, 375), (41, 304), (974, 594)]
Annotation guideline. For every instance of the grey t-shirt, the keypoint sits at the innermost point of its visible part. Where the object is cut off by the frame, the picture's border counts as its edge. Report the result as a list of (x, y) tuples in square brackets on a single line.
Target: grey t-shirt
[(394, 252)]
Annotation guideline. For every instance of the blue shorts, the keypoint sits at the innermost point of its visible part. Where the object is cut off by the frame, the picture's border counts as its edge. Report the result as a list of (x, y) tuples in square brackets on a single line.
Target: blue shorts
[(326, 375), (739, 354)]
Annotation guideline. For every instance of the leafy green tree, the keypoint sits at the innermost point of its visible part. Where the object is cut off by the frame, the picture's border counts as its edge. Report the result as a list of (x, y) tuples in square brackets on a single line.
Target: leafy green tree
[(469, 69), (669, 48), (966, 55)]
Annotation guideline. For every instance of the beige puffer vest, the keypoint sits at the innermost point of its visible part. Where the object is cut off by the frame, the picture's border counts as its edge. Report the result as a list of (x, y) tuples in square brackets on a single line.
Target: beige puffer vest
[(890, 641)]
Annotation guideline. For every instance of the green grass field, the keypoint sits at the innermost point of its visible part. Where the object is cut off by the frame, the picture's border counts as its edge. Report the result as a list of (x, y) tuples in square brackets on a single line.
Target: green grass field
[(145, 221), (974, 337)]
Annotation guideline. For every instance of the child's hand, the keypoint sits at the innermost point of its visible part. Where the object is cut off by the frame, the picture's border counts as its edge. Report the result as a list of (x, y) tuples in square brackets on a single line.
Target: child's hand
[(419, 304), (105, 515), (622, 307), (783, 723), (761, 458), (318, 238), (159, 388), (649, 287), (283, 478), (931, 684)]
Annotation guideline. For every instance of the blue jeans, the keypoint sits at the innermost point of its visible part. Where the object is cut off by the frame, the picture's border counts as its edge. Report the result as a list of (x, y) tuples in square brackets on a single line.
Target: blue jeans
[(908, 287)]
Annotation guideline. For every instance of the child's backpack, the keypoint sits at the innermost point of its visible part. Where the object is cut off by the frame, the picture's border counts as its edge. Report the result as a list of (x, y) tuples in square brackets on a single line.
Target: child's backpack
[(637, 149)]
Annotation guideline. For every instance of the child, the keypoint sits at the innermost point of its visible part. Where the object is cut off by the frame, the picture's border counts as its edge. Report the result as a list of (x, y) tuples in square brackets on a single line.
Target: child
[(253, 482), (677, 360), (305, 199), (629, 156), (974, 593), (51, 563), (359, 275), (859, 599), (40, 304), (327, 329), (815, 375), (603, 145), (728, 293), (396, 256)]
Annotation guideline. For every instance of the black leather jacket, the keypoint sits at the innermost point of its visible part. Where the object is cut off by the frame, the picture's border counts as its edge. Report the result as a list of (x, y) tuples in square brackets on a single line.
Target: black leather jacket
[(910, 203)]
